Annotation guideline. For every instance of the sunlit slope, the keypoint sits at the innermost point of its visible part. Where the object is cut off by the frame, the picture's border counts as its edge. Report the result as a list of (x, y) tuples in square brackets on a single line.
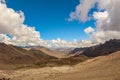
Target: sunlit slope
[(99, 68)]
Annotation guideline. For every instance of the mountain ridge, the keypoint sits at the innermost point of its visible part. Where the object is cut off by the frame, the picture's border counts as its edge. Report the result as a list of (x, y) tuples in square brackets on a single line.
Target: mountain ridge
[(106, 48)]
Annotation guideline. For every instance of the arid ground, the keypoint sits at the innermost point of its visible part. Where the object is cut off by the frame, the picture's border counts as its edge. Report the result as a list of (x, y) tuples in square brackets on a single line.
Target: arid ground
[(99, 68)]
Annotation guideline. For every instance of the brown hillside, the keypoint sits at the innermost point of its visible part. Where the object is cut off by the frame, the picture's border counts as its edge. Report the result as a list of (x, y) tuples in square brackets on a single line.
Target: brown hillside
[(12, 55), (50, 52), (99, 68)]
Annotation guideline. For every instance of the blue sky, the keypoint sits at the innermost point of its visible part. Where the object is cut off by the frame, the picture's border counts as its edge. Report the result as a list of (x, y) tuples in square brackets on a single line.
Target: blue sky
[(58, 23), (49, 18)]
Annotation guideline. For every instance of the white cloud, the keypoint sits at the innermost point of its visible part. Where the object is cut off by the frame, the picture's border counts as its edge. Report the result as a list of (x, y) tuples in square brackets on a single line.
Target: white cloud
[(81, 12), (107, 21), (63, 43), (4, 38), (89, 30), (11, 22), (102, 36), (9, 19), (2, 1), (72, 16), (100, 15)]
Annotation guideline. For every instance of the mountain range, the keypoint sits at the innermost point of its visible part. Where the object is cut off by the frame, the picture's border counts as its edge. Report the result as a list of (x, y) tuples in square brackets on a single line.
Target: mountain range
[(100, 62), (106, 48), (12, 57), (17, 57)]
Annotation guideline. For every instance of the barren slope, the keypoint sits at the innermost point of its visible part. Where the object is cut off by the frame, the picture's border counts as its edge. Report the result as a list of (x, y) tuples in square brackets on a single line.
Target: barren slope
[(99, 68), (51, 52), (12, 57)]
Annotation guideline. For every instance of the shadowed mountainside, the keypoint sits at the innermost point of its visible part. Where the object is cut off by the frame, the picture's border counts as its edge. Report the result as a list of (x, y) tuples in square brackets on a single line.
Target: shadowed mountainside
[(13, 55), (102, 49), (76, 52)]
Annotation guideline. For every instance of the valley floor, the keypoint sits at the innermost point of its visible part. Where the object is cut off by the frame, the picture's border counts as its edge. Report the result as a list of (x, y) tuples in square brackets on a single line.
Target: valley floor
[(99, 68)]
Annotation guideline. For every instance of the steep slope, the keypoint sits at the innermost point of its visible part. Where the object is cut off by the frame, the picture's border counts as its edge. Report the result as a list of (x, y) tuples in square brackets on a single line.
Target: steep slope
[(13, 57), (77, 52), (10, 54), (103, 49)]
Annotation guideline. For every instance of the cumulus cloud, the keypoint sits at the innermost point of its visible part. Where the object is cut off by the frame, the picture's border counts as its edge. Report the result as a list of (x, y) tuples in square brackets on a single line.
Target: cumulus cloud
[(67, 44), (4, 38), (14, 31), (11, 22), (107, 18), (9, 19), (102, 36), (89, 30), (81, 12)]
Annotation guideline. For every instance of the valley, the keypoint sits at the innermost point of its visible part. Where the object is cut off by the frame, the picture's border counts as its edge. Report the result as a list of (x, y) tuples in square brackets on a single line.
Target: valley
[(21, 64)]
